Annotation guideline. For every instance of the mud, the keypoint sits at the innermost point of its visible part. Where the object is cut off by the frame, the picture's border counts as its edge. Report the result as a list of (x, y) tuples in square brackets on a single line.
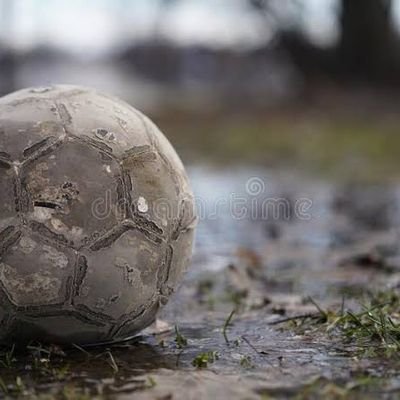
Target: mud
[(245, 323)]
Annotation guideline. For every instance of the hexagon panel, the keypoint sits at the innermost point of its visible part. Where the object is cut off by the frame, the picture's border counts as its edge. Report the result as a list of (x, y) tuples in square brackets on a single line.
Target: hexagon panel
[(33, 272), (128, 267), (73, 193), (164, 148), (26, 127), (154, 192), (112, 123), (180, 259)]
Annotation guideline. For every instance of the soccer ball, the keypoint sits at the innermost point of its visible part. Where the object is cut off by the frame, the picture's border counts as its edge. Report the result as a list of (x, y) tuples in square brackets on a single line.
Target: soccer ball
[(96, 217)]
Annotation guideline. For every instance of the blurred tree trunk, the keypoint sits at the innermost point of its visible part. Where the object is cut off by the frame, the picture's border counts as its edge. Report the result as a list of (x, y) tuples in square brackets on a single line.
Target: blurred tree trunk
[(368, 46), (368, 49)]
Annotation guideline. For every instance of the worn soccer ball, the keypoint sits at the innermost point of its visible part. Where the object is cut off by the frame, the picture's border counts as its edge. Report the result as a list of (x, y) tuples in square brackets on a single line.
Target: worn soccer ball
[(96, 217)]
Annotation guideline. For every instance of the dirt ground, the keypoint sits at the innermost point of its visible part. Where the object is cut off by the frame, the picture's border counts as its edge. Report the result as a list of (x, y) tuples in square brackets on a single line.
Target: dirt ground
[(296, 304)]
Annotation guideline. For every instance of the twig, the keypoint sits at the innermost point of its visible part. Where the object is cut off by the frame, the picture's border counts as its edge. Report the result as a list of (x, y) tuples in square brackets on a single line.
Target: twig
[(301, 316), (81, 349), (244, 338), (323, 313), (261, 353)]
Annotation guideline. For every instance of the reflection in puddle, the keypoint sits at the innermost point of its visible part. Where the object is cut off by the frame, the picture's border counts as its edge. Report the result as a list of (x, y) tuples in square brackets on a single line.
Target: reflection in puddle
[(262, 211)]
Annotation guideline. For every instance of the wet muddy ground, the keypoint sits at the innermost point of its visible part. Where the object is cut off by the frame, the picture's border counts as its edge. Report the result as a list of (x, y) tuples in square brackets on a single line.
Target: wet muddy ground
[(293, 292)]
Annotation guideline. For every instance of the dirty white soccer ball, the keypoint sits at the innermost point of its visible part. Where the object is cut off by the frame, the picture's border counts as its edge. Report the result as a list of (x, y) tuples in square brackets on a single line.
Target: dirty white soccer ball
[(96, 217)]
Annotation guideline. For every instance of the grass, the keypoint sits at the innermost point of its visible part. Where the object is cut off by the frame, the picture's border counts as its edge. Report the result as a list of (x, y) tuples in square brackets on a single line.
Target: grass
[(112, 362), (374, 330), (226, 325), (246, 362), (203, 360), (378, 324), (180, 340), (151, 383), (8, 359), (320, 144)]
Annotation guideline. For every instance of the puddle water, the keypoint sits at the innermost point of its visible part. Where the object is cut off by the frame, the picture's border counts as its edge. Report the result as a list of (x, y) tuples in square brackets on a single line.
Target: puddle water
[(292, 222)]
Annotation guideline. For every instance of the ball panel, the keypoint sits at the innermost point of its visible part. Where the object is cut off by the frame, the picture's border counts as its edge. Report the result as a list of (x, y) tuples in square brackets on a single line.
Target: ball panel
[(137, 322), (33, 272), (111, 124), (74, 192), (167, 152), (121, 277), (154, 193), (180, 260), (26, 125)]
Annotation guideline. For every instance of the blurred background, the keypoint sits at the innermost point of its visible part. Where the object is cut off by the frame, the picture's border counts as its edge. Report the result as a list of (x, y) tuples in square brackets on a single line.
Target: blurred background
[(302, 94), (310, 84)]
